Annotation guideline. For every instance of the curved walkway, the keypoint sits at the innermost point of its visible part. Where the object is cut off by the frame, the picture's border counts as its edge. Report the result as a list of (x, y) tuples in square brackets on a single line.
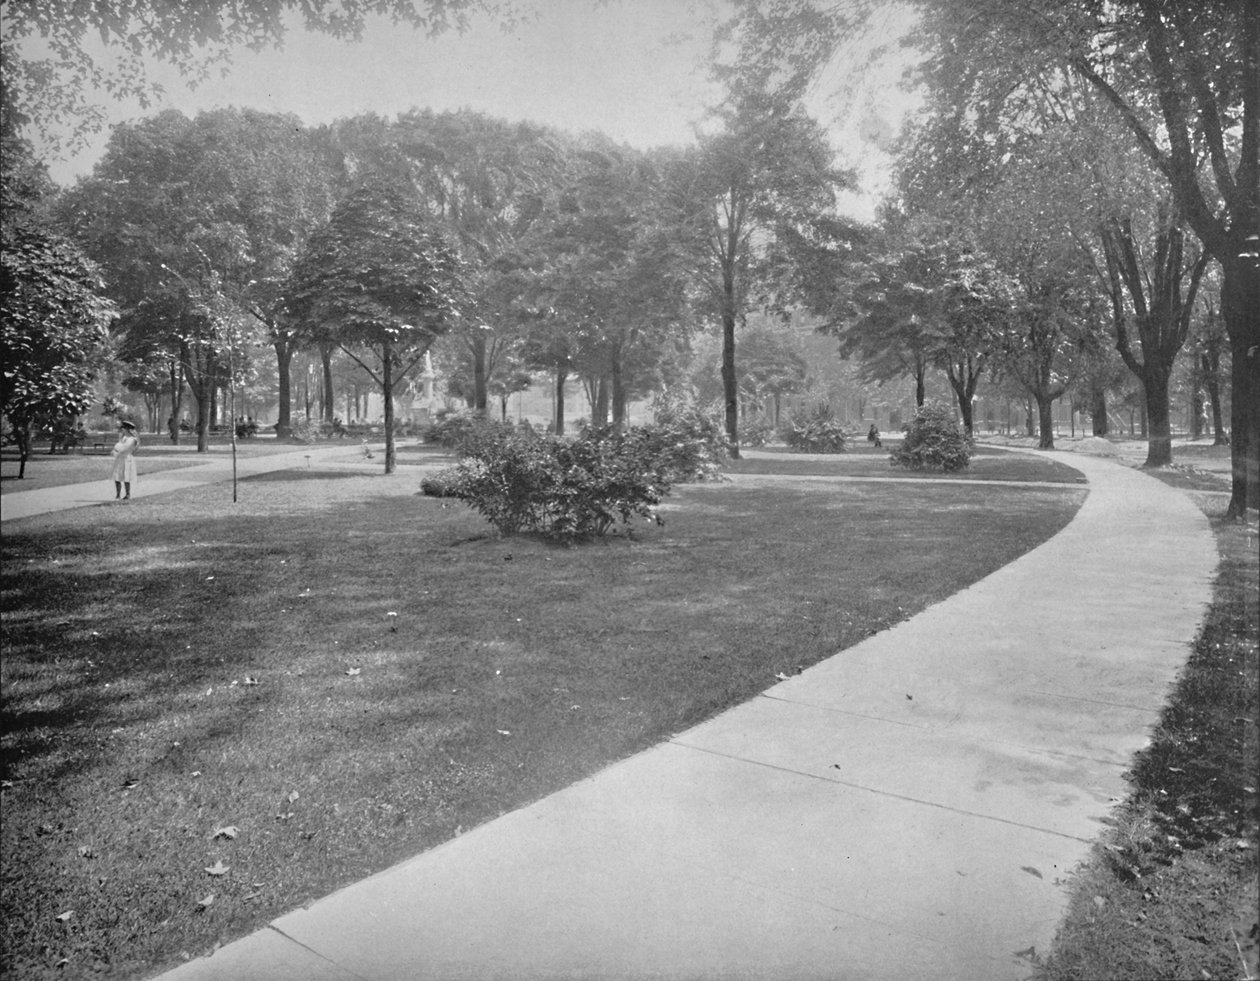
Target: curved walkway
[(911, 807)]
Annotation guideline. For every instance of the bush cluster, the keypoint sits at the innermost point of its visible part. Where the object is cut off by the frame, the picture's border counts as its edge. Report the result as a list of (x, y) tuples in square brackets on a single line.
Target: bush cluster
[(522, 481), (756, 433), (690, 438), (933, 441), (817, 432)]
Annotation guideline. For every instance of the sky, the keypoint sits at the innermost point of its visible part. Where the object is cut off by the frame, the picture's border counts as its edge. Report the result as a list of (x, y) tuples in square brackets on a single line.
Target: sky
[(631, 68)]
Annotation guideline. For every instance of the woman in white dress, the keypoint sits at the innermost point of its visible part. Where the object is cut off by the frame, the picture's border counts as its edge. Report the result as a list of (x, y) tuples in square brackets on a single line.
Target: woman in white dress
[(123, 455)]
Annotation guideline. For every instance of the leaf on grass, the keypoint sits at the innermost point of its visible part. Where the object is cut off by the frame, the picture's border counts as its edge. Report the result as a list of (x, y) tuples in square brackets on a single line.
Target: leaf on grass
[(503, 732), (250, 680), (292, 797), (86, 851), (206, 903), (250, 896), (6, 784), (63, 917), (353, 672), (218, 868), (780, 676), (1031, 871), (230, 831), (284, 817), (1099, 902)]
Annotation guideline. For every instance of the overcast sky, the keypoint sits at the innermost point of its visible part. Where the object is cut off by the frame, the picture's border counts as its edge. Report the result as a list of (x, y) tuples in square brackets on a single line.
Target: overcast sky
[(633, 69)]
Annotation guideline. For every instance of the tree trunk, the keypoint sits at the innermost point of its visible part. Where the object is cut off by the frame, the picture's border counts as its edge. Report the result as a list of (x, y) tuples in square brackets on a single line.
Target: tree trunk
[(284, 364), (479, 372), (177, 400), (730, 389), (561, 377), (1098, 411), (1240, 304), (22, 436), (387, 391), (599, 413), (1198, 411), (1029, 424), (326, 388), (618, 393), (1045, 419), (920, 386), (201, 395), (1158, 416)]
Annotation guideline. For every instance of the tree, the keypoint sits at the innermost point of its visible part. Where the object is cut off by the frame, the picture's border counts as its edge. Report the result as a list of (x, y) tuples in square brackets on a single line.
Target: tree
[(1183, 79), (750, 193), (51, 88), (186, 215), (384, 279), (54, 319)]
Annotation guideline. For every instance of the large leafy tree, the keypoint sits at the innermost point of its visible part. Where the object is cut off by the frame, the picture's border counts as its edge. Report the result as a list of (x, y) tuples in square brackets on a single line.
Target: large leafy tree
[(1182, 78), (613, 265), (748, 195), (384, 281), (484, 180), (53, 316), (187, 215)]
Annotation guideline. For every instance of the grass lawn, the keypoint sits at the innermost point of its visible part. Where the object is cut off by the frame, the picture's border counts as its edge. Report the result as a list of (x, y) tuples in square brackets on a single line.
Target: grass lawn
[(214, 713), (155, 455), (864, 461), (1170, 891)]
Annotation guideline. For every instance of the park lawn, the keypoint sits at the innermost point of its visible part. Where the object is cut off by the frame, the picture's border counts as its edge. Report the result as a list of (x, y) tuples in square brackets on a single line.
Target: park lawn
[(1171, 889), (44, 469), (863, 461), (344, 673)]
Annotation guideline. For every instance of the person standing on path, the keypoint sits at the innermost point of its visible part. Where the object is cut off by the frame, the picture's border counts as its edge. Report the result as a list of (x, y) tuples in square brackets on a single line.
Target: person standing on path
[(123, 455)]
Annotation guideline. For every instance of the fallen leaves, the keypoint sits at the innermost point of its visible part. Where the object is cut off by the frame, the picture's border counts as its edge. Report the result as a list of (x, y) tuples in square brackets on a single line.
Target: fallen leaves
[(206, 903), (64, 917), (228, 831), (217, 869)]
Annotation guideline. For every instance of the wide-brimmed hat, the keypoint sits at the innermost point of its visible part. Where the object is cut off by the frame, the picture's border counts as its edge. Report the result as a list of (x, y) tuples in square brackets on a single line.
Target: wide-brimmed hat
[(126, 425)]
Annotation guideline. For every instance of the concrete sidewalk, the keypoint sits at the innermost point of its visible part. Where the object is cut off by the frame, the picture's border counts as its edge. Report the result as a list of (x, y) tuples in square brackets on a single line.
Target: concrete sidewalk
[(910, 808), (216, 470)]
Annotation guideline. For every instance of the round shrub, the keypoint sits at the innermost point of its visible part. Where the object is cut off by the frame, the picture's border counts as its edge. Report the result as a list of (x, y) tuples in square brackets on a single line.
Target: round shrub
[(756, 433), (817, 432), (933, 441)]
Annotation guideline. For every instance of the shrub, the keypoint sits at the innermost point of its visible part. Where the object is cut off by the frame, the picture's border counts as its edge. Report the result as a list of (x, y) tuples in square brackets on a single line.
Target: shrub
[(817, 432), (464, 434), (756, 433), (444, 483), (689, 440), (564, 488), (933, 441)]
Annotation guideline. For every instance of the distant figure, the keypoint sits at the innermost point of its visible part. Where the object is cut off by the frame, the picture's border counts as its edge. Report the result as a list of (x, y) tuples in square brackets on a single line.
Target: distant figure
[(124, 462), (872, 436)]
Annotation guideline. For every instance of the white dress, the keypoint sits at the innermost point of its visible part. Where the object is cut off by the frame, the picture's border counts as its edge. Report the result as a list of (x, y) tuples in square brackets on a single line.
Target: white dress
[(123, 454)]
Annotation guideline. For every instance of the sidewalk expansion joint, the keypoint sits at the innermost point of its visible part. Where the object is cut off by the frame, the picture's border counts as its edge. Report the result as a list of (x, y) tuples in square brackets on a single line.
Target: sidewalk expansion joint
[(315, 953), (946, 730), (881, 793)]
